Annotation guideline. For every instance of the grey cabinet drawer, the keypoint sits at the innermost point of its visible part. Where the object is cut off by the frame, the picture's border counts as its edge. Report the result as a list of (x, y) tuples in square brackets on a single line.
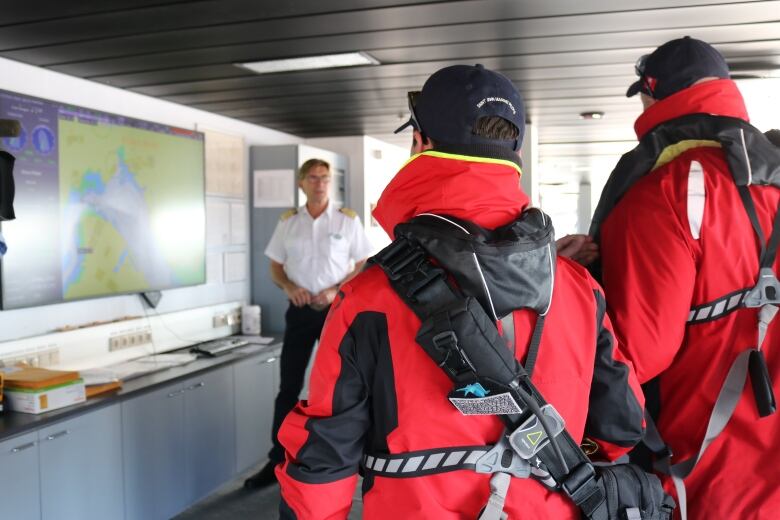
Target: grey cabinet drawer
[(81, 467), (19, 483), (209, 433), (256, 388), (153, 454)]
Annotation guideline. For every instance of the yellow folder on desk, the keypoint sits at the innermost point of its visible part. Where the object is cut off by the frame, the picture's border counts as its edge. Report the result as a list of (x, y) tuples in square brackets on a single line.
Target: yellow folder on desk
[(34, 378)]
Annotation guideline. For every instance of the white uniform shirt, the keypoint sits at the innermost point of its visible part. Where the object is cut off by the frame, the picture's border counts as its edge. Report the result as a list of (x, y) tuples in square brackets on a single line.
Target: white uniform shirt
[(318, 253)]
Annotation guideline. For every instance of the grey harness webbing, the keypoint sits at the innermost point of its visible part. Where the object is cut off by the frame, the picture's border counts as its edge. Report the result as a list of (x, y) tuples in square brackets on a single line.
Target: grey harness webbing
[(729, 396), (726, 403)]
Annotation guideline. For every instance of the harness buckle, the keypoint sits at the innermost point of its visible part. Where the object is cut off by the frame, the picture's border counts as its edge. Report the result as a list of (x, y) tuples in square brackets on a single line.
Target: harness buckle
[(502, 459), (458, 364), (579, 483), (445, 340), (766, 291)]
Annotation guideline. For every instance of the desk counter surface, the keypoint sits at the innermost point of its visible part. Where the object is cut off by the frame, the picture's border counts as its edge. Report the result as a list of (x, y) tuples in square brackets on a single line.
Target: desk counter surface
[(15, 423)]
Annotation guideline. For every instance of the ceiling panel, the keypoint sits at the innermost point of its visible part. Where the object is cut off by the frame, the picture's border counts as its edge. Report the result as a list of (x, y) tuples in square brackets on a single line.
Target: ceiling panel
[(113, 20), (566, 56), (418, 44)]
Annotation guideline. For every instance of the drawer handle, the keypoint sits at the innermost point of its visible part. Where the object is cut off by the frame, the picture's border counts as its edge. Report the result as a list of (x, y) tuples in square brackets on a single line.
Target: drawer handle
[(23, 447), (177, 392), (57, 435), (197, 385)]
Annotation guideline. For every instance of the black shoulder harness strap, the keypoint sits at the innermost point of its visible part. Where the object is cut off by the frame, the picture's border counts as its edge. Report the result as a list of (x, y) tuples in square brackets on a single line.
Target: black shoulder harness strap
[(751, 157), (752, 160), (463, 340)]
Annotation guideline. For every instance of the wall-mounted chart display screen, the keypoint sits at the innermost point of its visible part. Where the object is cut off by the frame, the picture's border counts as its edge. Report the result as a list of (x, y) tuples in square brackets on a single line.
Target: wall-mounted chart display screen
[(104, 204)]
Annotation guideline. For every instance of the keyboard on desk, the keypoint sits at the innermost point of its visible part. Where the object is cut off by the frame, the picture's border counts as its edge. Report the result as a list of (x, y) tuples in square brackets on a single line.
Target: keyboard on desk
[(218, 347)]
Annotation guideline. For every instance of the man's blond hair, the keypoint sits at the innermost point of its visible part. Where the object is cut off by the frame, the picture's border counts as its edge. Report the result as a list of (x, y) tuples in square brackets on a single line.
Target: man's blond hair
[(310, 165)]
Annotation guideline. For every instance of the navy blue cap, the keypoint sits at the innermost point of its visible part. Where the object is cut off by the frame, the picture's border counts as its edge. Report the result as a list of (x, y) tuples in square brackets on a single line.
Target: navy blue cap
[(455, 97), (677, 65)]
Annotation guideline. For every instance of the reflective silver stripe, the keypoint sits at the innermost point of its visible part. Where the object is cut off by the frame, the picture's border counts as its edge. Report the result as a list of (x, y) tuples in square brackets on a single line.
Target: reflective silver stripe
[(718, 309), (703, 313), (734, 301), (433, 461), (412, 464), (425, 462), (453, 458), (691, 315), (393, 466), (415, 464), (474, 456)]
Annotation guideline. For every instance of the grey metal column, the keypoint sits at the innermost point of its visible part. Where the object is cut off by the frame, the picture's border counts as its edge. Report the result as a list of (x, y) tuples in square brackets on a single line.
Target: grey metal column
[(530, 156)]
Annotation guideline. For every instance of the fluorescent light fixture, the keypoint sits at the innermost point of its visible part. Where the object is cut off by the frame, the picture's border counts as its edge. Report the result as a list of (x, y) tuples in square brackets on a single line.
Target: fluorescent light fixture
[(328, 61), (591, 115)]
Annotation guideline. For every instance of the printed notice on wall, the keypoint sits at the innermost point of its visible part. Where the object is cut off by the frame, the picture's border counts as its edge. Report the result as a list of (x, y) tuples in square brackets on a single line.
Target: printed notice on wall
[(274, 188), (235, 267), (225, 164)]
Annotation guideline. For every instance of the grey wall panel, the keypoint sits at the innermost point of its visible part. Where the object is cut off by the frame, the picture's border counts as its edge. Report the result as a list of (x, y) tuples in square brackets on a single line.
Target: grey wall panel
[(271, 299), (264, 293)]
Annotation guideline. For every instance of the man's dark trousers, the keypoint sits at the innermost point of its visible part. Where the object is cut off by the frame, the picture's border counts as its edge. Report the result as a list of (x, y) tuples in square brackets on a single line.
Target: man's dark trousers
[(303, 326)]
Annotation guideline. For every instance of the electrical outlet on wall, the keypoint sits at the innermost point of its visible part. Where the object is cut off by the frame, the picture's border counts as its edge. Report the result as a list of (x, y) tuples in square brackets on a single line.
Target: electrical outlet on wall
[(234, 318), (220, 320), (44, 355), (129, 339)]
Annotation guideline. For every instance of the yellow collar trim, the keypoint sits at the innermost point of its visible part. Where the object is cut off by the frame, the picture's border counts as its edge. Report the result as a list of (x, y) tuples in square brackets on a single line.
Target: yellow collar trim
[(469, 158), (673, 151)]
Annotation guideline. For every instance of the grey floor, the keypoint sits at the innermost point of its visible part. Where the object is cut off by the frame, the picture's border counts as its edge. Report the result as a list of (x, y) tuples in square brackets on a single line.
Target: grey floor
[(233, 501)]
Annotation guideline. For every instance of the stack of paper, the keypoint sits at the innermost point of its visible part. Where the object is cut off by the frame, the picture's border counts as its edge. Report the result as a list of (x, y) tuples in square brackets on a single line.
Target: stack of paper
[(100, 381), (36, 390)]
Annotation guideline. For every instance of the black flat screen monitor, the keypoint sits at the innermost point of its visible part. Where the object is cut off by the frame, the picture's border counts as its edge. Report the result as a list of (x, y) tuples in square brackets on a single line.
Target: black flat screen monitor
[(105, 205)]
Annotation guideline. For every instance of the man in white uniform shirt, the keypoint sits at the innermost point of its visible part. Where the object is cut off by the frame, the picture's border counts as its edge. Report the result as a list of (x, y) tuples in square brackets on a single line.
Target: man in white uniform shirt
[(313, 250)]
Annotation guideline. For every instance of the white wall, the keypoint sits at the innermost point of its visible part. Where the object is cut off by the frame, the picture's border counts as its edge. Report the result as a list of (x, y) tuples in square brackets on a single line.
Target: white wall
[(762, 98), (381, 162), (26, 79), (372, 163)]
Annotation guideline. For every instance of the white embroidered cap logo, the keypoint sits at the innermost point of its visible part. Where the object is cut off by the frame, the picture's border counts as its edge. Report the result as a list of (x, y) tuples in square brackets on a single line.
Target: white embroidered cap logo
[(497, 100)]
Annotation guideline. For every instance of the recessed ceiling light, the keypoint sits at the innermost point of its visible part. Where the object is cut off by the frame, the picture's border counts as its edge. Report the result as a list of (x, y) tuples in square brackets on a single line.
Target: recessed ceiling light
[(591, 115), (327, 61)]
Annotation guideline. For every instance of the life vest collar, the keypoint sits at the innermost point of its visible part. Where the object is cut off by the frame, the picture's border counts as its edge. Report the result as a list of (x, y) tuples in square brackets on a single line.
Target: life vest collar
[(482, 190), (719, 97)]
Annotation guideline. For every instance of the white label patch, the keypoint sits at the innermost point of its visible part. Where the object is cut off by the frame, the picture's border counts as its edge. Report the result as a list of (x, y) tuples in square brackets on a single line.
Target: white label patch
[(499, 404)]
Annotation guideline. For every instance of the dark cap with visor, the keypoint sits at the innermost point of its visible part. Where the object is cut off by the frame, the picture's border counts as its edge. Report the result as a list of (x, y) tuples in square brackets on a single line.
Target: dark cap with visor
[(454, 98), (676, 65)]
